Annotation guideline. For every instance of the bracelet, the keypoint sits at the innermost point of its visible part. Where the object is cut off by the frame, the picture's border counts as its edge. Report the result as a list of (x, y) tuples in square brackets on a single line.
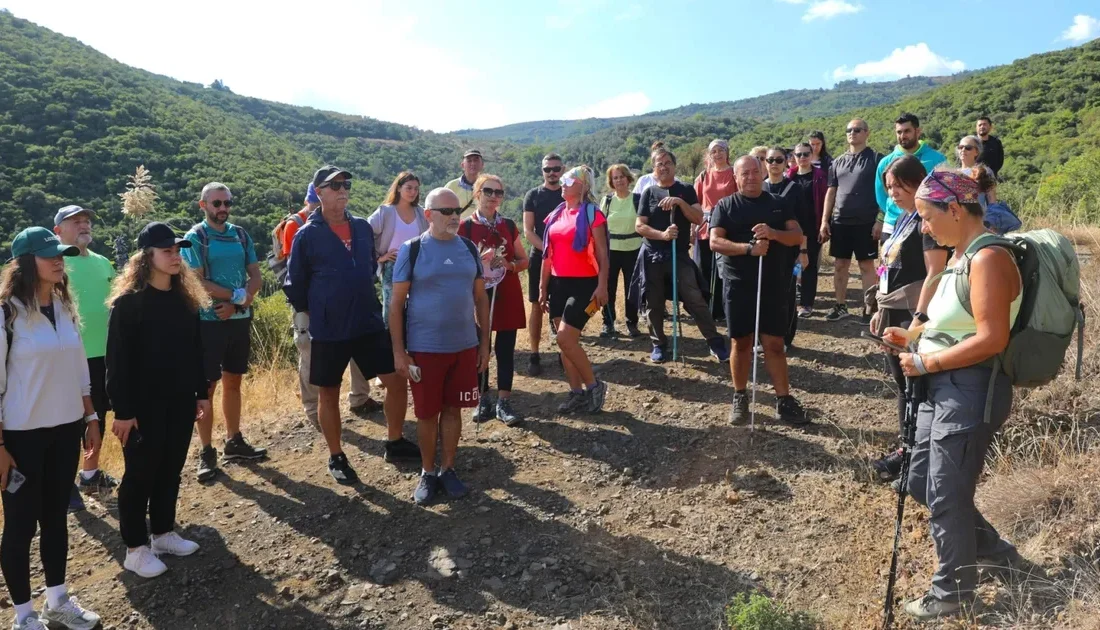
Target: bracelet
[(918, 362), (92, 417)]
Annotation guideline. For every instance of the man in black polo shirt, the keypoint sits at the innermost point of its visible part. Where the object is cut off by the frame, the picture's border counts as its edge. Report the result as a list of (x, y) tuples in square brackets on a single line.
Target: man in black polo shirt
[(744, 226), (993, 152), (852, 211), (538, 203), (667, 197)]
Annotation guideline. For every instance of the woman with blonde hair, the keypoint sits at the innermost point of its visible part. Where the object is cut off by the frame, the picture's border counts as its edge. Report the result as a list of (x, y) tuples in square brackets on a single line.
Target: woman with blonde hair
[(501, 245), (620, 206), (397, 220), (711, 186), (158, 389)]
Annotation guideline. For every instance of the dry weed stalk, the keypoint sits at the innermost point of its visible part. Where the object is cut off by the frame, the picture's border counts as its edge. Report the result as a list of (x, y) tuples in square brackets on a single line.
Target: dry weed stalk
[(140, 193)]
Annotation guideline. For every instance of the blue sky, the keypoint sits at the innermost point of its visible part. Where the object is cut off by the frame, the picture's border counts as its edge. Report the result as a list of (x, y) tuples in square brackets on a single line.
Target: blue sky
[(445, 65)]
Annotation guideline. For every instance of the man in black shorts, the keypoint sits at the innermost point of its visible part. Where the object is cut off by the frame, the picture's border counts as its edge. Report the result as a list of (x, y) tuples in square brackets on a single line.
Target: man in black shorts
[(743, 227), (852, 209), (330, 275), (538, 203)]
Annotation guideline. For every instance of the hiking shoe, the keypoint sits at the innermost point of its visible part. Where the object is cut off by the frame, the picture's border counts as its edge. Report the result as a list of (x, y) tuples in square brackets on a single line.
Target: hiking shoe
[(534, 367), (865, 317), (367, 408), (928, 608), (425, 488), (608, 330), (237, 448), (208, 464), (839, 312), (341, 470), (506, 414), (173, 544), (789, 411), (596, 396), (401, 450), (452, 485), (99, 482), (30, 623), (574, 402), (658, 355), (718, 349), (739, 407), (70, 615), (76, 502), (805, 312), (485, 411), (144, 562), (888, 467), (632, 329)]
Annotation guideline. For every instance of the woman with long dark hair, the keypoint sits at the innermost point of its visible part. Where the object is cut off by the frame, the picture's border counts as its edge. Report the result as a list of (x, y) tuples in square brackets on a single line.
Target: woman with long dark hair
[(45, 397), (820, 158), (158, 388), (397, 220)]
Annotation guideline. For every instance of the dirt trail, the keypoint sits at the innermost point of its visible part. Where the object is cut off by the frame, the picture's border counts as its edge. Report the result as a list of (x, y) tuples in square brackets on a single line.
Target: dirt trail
[(652, 514)]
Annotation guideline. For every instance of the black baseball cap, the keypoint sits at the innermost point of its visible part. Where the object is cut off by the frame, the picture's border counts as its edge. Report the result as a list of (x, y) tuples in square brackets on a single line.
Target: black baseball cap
[(159, 235), (327, 173)]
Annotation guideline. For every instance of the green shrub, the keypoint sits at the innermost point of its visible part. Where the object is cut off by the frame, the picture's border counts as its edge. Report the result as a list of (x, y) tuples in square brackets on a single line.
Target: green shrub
[(272, 340), (759, 612)]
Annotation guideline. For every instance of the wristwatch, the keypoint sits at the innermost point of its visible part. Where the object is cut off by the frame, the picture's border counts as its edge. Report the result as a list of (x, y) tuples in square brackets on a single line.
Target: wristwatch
[(921, 317), (803, 251)]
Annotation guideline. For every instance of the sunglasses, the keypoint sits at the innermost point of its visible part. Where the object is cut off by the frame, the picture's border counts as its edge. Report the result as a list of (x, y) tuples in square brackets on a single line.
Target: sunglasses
[(551, 169), (346, 185), (802, 154), (854, 130), (967, 147), (776, 160), (217, 203), (447, 211), (489, 192)]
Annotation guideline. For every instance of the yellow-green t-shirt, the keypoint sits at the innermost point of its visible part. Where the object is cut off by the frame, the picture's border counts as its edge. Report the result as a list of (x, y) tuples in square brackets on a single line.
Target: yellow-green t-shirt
[(621, 220), (90, 281)]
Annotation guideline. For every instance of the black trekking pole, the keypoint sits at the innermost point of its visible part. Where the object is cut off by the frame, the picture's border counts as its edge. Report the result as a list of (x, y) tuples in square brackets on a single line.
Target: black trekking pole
[(913, 394)]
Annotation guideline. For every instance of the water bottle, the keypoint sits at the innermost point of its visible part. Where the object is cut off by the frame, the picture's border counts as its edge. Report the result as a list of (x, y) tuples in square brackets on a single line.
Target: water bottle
[(798, 270)]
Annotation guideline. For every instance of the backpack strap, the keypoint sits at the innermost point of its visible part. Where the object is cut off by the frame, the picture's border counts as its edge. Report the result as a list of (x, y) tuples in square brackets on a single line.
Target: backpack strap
[(962, 283), (204, 247), (242, 237), (606, 204), (414, 251), (787, 189), (473, 249)]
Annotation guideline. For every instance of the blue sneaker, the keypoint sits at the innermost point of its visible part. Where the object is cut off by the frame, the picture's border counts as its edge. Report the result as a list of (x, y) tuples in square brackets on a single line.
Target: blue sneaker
[(76, 502), (718, 349), (452, 485), (658, 355), (426, 488)]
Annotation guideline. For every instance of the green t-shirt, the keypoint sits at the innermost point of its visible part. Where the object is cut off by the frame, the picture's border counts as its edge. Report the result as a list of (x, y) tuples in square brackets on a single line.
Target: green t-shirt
[(228, 263), (621, 217), (90, 281)]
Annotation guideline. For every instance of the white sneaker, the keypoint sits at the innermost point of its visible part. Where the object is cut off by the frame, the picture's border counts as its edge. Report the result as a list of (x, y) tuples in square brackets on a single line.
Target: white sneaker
[(30, 623), (144, 562), (173, 544), (70, 615)]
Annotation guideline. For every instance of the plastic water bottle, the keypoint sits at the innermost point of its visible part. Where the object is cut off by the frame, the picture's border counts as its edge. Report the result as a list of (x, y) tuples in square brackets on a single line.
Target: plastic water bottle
[(798, 270)]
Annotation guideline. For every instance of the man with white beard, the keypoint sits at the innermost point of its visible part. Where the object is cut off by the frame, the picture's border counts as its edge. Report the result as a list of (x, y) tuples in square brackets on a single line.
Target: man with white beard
[(90, 281)]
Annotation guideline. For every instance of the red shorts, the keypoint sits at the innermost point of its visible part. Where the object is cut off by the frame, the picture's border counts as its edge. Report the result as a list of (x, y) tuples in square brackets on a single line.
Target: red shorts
[(446, 380)]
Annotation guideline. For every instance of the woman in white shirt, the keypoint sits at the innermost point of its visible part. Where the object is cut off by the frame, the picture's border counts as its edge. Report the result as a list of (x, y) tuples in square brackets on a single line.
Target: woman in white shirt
[(397, 220), (46, 407)]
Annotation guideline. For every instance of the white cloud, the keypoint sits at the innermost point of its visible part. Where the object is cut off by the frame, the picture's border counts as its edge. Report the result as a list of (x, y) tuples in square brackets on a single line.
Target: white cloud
[(829, 9), (1085, 28), (627, 104), (918, 60), (632, 12)]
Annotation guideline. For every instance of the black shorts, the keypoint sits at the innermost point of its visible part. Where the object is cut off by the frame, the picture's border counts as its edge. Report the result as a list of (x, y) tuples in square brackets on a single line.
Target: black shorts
[(740, 302), (569, 297), (226, 346), (372, 352), (534, 276), (101, 404), (848, 240)]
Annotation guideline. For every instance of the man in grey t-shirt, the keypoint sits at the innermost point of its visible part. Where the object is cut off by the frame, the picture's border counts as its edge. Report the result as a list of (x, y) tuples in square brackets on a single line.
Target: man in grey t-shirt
[(439, 292)]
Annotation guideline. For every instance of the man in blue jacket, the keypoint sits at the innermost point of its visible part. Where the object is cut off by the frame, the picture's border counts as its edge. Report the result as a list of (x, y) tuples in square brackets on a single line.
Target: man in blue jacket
[(330, 275), (907, 129)]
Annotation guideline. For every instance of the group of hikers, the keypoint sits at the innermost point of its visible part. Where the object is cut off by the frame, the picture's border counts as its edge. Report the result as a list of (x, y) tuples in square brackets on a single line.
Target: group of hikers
[(740, 246)]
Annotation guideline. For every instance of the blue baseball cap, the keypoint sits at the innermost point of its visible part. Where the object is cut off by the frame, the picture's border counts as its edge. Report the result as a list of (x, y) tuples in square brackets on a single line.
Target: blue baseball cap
[(311, 194), (69, 212)]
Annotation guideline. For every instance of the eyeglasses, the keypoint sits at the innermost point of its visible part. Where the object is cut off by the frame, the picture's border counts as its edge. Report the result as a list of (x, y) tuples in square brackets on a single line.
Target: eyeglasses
[(447, 211), (489, 192), (346, 185), (217, 203), (967, 147), (551, 169), (854, 130), (802, 154), (776, 160)]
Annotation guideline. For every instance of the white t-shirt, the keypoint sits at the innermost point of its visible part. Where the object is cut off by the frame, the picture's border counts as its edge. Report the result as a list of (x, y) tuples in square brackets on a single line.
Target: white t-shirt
[(403, 231)]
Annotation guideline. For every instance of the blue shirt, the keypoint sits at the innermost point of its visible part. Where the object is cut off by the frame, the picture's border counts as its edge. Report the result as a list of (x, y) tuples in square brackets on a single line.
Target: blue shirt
[(928, 156), (228, 263), (440, 312)]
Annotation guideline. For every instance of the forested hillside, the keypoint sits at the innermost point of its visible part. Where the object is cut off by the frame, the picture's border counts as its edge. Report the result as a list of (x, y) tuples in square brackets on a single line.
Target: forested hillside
[(74, 123)]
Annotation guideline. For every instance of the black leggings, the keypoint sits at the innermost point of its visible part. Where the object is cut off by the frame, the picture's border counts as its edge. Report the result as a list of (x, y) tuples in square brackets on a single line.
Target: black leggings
[(153, 465), (620, 263), (809, 274), (505, 347), (48, 458)]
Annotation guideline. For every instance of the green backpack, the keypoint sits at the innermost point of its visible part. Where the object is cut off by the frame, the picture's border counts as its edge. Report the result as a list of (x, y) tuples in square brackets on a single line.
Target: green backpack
[(1050, 308)]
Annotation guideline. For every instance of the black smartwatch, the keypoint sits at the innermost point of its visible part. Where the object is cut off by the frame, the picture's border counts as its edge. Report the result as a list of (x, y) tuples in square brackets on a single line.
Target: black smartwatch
[(921, 317)]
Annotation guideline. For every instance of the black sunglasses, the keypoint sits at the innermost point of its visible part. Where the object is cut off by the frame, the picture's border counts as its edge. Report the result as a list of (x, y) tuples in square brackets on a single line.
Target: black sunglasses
[(776, 160), (489, 192), (346, 185), (551, 169), (802, 154), (217, 203), (967, 147), (447, 211), (854, 130)]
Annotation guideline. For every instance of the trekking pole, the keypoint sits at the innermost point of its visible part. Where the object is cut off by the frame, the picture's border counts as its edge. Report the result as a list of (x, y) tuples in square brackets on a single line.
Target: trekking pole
[(756, 344), (912, 402), (675, 300)]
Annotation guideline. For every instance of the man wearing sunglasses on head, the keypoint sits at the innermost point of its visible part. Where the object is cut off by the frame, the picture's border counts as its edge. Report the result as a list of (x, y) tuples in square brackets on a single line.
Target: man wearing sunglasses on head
[(538, 203), (463, 186), (224, 257), (330, 277)]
